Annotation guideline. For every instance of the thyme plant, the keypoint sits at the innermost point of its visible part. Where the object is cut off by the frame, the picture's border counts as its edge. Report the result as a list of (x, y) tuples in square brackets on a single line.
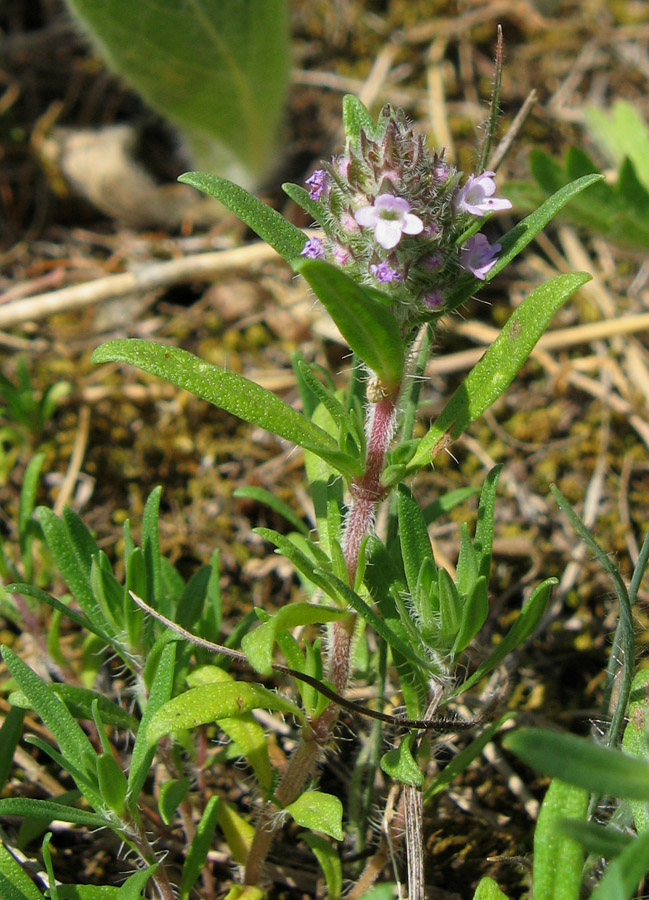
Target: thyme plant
[(398, 245)]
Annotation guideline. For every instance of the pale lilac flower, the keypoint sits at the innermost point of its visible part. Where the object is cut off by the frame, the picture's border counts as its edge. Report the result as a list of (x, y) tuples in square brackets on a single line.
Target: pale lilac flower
[(317, 184), (433, 299), (390, 217), (476, 197), (313, 249), (384, 273), (479, 256)]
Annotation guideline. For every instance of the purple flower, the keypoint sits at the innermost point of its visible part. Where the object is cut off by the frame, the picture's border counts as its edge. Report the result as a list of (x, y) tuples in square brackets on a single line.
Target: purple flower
[(317, 184), (479, 256), (476, 197), (313, 249), (433, 299), (384, 273), (390, 217)]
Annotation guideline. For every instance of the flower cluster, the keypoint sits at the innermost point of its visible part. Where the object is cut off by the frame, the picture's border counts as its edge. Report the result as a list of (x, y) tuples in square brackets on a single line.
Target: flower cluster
[(393, 215)]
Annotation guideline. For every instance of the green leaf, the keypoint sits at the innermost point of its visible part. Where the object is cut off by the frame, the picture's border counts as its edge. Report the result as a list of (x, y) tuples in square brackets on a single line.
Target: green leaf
[(211, 702), (400, 764), (367, 325), (50, 811), (199, 847), (30, 590), (558, 860), (112, 783), (261, 495), (243, 730), (72, 741), (318, 811), (413, 534), (464, 758), (498, 367), (597, 840), (356, 118), (487, 889), (218, 69), (287, 239), (143, 753), (229, 391), (134, 884), (70, 562), (635, 739), (10, 733), (79, 701), (621, 132), (87, 892), (258, 644), (625, 872), (172, 794), (582, 763), (15, 883), (301, 197), (528, 618), (484, 529), (329, 863)]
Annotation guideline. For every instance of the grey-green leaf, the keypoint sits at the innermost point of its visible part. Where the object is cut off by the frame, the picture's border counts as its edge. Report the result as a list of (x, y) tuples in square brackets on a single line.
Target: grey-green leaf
[(581, 762), (217, 68), (211, 702), (287, 239), (229, 391), (367, 325), (498, 367)]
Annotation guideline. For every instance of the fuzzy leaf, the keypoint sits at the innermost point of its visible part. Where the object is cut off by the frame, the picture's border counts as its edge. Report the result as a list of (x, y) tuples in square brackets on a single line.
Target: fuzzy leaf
[(15, 883), (487, 889), (273, 228), (229, 391), (258, 644), (624, 873), (329, 862), (216, 68), (199, 847), (211, 702), (634, 740), (413, 533), (356, 118), (172, 794), (558, 860), (367, 325), (318, 811), (143, 753), (528, 618), (581, 762), (50, 810), (72, 741), (400, 765), (498, 367)]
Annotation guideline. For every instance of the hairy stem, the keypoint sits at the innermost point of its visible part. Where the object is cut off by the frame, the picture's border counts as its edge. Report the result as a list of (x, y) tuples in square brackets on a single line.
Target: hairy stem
[(366, 492)]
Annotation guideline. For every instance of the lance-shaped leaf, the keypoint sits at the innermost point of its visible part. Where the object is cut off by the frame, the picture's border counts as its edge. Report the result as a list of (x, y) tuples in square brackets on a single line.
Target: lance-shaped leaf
[(211, 702), (229, 391), (15, 883), (367, 325), (558, 859), (281, 235), (498, 367), (219, 69), (581, 762), (625, 872), (528, 618), (258, 644)]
